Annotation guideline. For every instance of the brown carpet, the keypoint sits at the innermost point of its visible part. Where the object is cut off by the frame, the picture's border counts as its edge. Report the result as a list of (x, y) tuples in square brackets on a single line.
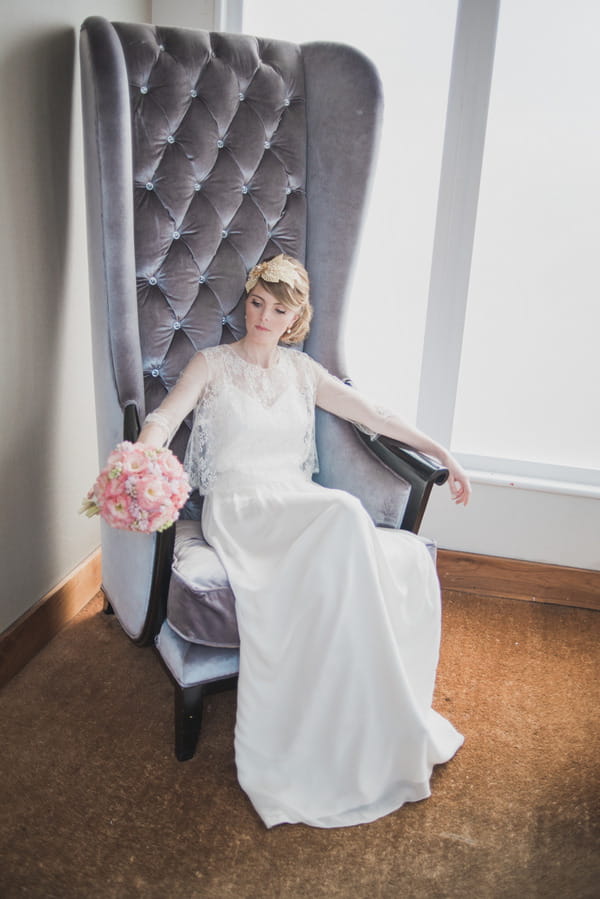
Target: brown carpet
[(94, 804)]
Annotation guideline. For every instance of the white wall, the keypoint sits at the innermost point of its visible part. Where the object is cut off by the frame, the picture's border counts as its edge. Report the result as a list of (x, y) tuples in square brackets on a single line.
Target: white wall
[(534, 525), (185, 13), (47, 434)]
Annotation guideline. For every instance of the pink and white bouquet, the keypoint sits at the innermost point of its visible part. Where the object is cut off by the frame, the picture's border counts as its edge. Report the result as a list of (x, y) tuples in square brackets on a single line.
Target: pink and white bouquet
[(141, 488)]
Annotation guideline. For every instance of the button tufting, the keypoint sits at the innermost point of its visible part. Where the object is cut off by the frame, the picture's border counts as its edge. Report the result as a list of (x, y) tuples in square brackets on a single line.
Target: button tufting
[(288, 190), (143, 89), (176, 325), (152, 281), (267, 144), (193, 93), (224, 233), (245, 189), (220, 144), (201, 279), (170, 139), (224, 320), (161, 47), (149, 185), (155, 373), (176, 235), (242, 96), (197, 186), (286, 102)]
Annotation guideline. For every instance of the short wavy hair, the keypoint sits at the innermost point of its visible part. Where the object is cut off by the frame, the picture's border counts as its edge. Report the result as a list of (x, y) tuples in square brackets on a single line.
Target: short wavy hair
[(294, 298)]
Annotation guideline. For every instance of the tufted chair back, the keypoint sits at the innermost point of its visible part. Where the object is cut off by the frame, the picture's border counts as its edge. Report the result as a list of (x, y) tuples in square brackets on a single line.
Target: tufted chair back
[(206, 153), (218, 132)]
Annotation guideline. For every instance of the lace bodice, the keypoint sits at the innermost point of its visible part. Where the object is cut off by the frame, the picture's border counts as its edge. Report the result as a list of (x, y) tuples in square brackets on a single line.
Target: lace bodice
[(253, 424)]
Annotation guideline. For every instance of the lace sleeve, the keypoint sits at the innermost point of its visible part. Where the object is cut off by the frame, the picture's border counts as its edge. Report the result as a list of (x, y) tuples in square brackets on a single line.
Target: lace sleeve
[(161, 421), (346, 402), (203, 440), (181, 400)]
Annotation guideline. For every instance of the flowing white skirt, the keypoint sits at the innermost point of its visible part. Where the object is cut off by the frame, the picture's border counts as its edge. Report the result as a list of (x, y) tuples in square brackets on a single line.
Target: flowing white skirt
[(339, 629)]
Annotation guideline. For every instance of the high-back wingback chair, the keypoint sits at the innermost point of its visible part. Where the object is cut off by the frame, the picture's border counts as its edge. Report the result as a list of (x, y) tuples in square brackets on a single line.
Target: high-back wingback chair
[(206, 153)]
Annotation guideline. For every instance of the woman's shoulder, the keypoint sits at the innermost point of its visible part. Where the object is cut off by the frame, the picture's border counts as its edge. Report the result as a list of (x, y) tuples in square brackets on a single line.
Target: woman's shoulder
[(297, 358), (214, 357), (308, 371), (206, 366), (214, 352), (303, 362)]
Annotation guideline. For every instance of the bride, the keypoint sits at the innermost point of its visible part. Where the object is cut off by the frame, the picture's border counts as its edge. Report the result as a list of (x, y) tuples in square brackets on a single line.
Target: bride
[(339, 622)]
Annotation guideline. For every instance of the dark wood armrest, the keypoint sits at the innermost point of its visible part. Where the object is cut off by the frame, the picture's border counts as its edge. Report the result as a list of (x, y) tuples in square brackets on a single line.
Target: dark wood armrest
[(419, 470), (163, 554)]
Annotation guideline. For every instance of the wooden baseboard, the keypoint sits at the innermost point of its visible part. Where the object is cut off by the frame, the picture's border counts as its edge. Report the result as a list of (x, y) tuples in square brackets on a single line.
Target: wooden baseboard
[(30, 633), (513, 579)]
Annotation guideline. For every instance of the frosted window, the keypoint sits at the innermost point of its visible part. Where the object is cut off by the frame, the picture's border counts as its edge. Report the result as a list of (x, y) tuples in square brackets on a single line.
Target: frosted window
[(530, 373), (410, 42)]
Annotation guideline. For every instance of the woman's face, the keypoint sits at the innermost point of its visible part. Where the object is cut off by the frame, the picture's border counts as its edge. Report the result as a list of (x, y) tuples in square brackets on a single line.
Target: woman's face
[(267, 319)]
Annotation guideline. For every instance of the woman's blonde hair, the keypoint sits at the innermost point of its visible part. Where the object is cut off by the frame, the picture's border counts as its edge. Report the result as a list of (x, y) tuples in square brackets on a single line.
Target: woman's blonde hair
[(295, 298)]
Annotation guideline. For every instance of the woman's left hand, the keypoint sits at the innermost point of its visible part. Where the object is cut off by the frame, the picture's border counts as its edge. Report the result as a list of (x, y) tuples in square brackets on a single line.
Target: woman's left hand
[(460, 486)]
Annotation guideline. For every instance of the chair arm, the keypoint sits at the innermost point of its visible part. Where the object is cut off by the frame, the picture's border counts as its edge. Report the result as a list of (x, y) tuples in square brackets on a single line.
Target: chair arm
[(419, 470), (163, 554)]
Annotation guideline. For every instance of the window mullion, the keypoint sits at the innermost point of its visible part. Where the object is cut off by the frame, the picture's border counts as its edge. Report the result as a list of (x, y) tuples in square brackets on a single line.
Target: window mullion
[(468, 102)]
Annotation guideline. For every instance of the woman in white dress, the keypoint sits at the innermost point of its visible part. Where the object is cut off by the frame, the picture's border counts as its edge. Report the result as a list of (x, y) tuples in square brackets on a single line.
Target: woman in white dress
[(339, 623)]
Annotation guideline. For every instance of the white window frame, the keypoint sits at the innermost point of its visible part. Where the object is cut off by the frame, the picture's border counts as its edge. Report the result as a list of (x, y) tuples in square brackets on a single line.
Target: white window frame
[(468, 104)]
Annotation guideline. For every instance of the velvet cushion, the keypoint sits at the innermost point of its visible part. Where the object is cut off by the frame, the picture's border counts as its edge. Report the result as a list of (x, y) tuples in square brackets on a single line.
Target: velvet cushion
[(200, 605), (192, 664)]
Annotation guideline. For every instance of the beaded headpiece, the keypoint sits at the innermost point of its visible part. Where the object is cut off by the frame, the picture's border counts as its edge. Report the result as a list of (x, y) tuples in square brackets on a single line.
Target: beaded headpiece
[(277, 269)]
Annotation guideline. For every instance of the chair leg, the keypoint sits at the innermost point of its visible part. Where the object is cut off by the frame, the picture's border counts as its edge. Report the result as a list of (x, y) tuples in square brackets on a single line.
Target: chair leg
[(188, 719)]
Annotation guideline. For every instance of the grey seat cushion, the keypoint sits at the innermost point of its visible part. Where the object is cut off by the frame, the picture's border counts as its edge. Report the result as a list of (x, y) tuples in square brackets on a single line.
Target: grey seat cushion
[(201, 605)]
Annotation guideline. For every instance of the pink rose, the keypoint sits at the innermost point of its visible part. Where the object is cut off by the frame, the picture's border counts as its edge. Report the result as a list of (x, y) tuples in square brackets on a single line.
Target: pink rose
[(150, 492), (136, 460), (116, 513)]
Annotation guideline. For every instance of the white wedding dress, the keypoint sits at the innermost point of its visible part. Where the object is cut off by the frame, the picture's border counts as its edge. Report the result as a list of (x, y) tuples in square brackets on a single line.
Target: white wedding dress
[(339, 622)]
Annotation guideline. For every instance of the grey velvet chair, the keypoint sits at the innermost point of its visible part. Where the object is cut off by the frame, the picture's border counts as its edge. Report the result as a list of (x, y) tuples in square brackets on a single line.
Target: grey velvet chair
[(206, 153)]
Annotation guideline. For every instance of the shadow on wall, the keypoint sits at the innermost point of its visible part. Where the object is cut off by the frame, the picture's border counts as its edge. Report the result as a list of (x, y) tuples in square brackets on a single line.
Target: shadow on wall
[(36, 89)]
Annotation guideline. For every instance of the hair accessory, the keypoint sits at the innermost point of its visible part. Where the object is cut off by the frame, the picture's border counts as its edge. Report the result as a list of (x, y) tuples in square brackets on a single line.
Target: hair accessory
[(277, 269)]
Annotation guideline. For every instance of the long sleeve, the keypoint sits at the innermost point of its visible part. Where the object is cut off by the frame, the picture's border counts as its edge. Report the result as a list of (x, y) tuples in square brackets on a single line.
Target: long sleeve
[(334, 396), (161, 424)]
